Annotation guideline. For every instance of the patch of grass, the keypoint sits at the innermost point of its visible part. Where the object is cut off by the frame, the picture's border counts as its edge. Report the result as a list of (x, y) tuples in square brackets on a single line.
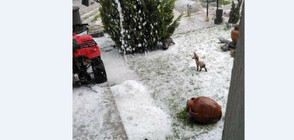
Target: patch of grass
[(187, 15), (170, 137), (203, 4), (183, 114), (224, 2), (197, 88), (207, 19), (212, 4), (184, 118), (214, 17)]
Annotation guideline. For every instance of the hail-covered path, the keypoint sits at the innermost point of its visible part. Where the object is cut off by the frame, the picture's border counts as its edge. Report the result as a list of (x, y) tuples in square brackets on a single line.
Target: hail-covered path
[(150, 90)]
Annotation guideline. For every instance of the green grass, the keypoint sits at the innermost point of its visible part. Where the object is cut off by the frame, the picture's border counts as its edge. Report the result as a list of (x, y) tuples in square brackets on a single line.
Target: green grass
[(182, 115), (213, 4), (206, 19), (224, 2)]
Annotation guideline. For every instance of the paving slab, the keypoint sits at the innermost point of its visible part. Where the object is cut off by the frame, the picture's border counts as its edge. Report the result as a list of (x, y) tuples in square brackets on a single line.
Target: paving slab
[(95, 115)]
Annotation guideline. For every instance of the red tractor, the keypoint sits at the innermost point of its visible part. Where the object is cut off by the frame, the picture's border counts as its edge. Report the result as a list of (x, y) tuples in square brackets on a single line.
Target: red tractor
[(86, 55), (87, 63)]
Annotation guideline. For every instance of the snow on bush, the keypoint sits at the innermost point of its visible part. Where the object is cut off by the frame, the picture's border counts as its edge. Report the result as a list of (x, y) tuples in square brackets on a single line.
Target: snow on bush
[(141, 118), (137, 26)]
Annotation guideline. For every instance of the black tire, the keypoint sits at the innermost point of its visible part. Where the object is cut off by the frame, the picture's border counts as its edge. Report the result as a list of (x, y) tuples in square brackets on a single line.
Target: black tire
[(81, 70), (85, 78), (99, 70)]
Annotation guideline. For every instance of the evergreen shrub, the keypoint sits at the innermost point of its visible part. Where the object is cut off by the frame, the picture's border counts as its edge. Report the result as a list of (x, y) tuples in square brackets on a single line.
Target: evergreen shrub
[(141, 25)]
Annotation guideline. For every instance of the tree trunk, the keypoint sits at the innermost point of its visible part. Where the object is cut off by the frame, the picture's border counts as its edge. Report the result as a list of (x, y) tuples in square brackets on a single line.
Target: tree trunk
[(234, 118)]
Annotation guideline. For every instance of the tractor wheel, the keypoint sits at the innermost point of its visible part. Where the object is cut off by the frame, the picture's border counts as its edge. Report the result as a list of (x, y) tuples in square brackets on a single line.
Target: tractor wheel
[(84, 78), (98, 70)]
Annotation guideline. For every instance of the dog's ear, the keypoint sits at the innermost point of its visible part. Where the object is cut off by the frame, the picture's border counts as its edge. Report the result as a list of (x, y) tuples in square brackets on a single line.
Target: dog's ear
[(193, 57)]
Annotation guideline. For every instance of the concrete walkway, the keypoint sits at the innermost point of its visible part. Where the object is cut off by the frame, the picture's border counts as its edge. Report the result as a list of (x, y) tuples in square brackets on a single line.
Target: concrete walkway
[(112, 127), (95, 115)]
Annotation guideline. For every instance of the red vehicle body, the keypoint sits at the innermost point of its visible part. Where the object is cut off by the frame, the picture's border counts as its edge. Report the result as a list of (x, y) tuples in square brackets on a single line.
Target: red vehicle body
[(86, 55), (89, 48)]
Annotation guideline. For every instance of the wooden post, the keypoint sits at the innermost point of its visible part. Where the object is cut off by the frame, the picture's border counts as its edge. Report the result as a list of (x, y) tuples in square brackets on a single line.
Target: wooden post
[(207, 9), (234, 118)]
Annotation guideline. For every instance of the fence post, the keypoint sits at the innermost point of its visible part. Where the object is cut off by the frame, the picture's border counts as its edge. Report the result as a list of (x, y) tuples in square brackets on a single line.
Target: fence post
[(234, 118)]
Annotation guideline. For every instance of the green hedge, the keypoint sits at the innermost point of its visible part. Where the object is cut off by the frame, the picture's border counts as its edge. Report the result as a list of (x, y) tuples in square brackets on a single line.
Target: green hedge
[(145, 23)]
